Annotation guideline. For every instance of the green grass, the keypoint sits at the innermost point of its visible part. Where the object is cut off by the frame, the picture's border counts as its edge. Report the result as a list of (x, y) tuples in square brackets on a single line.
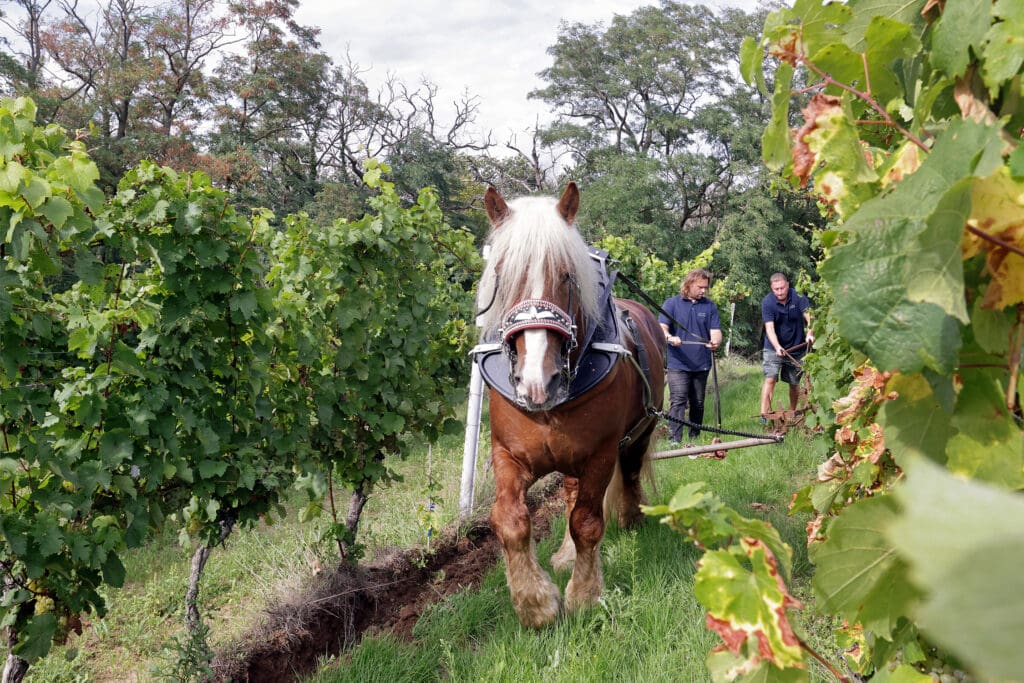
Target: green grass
[(648, 626)]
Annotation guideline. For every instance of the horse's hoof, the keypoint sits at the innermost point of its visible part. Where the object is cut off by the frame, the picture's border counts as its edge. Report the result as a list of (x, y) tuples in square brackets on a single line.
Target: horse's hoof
[(541, 609), (577, 599)]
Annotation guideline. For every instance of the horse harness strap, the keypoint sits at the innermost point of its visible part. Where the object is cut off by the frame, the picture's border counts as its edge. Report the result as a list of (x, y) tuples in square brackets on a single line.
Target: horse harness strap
[(639, 361), (540, 314)]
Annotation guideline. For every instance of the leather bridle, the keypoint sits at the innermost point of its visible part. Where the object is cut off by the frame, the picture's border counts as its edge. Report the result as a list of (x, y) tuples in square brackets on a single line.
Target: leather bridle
[(541, 314)]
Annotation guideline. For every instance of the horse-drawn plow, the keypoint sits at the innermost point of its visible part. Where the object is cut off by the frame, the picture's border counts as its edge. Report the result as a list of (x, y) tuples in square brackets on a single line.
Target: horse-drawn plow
[(781, 421)]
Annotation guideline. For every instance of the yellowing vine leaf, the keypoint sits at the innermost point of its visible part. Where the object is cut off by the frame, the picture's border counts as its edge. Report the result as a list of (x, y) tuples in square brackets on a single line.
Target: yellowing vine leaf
[(747, 606), (905, 161), (997, 209), (828, 144)]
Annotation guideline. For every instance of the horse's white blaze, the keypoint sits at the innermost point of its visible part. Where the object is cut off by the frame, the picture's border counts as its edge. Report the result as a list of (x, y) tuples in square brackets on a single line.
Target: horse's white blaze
[(534, 380)]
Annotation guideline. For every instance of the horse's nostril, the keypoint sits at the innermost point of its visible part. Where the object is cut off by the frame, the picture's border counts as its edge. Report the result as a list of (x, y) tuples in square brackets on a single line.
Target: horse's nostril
[(517, 379)]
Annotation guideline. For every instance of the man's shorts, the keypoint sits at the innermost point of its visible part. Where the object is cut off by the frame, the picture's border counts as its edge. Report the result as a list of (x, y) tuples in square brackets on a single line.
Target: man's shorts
[(773, 366)]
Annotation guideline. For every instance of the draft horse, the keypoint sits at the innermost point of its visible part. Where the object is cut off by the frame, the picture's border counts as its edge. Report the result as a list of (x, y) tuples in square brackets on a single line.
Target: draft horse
[(540, 301)]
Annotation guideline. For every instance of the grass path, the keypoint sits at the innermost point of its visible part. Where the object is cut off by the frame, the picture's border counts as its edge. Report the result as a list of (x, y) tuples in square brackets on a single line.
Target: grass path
[(648, 627)]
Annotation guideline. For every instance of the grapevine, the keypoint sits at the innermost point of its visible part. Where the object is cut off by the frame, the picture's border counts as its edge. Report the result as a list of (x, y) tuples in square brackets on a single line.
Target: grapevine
[(164, 357), (910, 140)]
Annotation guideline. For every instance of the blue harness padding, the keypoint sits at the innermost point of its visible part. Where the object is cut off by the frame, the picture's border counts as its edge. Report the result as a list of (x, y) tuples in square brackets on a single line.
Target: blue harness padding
[(599, 351)]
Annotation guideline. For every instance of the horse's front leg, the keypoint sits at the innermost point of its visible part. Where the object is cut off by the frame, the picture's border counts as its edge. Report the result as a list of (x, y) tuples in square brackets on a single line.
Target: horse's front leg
[(534, 596), (587, 526)]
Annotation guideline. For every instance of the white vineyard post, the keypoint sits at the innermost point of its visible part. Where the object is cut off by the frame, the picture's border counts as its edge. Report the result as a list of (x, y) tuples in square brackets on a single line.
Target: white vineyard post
[(732, 319), (469, 448)]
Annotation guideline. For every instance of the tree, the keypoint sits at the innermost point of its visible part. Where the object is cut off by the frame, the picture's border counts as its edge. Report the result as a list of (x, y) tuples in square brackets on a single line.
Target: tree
[(272, 108), (24, 72), (185, 33), (130, 75), (764, 233), (290, 122), (638, 84), (654, 103), (629, 195)]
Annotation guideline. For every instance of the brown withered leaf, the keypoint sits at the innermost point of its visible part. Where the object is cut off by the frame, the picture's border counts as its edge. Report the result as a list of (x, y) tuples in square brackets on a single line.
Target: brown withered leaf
[(804, 159), (814, 530), (832, 468)]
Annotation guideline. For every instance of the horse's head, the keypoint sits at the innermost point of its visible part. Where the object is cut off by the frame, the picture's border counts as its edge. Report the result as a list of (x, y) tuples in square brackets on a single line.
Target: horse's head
[(542, 290)]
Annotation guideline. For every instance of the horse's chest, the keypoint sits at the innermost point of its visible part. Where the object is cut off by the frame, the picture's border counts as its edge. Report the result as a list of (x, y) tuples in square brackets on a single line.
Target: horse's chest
[(575, 433)]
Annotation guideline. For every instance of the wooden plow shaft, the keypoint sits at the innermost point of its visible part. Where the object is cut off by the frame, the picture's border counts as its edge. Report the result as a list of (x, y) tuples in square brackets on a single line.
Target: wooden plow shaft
[(695, 451)]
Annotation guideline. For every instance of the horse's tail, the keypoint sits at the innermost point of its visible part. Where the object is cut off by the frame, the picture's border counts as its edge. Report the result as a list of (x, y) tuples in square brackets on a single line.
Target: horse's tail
[(620, 501), (648, 482), (614, 493)]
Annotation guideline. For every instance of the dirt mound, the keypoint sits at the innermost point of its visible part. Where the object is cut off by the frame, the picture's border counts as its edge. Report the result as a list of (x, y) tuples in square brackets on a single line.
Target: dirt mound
[(389, 594)]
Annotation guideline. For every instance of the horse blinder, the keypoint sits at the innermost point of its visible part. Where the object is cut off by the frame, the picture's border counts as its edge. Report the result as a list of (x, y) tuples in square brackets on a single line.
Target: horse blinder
[(538, 314)]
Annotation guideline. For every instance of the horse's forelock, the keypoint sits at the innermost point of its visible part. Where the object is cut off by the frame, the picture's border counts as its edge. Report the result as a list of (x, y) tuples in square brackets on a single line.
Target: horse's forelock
[(530, 252)]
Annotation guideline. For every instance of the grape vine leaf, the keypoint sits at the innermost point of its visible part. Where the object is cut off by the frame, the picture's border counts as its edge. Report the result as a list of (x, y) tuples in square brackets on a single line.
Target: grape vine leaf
[(1016, 163), (723, 665), (1004, 48), (885, 42), (915, 422), (964, 545), (997, 208), (743, 602), (989, 445), (939, 272), (828, 145), (991, 329), (962, 27), (865, 11), (34, 639), (878, 305), (80, 173), (859, 575), (820, 23), (751, 64), (902, 674), (775, 147)]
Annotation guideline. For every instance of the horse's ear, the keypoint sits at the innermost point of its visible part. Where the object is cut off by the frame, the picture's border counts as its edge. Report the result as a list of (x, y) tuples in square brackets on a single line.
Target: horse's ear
[(497, 209), (569, 204)]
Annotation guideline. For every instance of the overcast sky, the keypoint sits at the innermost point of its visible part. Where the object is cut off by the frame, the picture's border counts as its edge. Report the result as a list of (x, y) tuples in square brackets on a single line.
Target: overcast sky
[(492, 48)]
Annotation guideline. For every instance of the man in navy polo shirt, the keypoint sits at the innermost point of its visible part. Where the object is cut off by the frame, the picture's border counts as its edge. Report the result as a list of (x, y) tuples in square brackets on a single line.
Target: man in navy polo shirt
[(692, 331), (787, 334)]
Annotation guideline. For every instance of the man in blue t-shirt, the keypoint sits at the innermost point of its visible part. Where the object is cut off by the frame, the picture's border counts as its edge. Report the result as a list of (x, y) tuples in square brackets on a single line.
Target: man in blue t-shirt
[(787, 335), (692, 332)]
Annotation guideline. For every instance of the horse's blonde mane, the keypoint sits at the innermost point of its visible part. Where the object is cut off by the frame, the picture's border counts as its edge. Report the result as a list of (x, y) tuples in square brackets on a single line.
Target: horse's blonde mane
[(531, 250)]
